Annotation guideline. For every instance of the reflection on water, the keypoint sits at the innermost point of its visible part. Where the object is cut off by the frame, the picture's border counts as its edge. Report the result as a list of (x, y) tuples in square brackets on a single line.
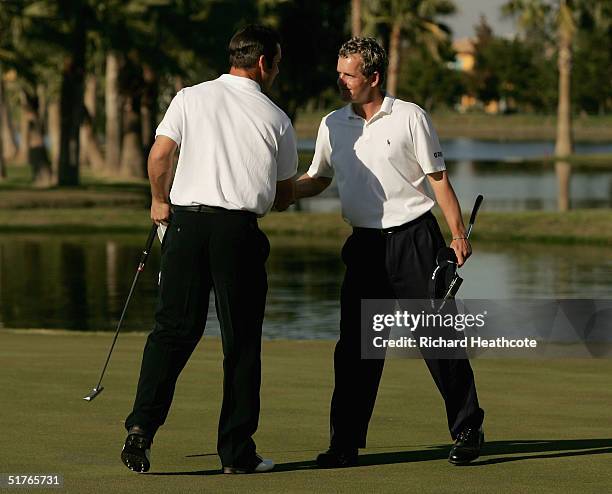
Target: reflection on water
[(528, 187), (82, 282)]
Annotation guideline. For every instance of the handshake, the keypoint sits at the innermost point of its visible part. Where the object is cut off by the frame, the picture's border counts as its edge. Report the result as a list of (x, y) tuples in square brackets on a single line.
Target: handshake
[(286, 191), (289, 191)]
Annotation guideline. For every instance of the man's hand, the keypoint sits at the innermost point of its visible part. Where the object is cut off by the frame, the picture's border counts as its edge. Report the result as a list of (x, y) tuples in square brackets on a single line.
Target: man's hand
[(285, 194), (159, 167), (306, 186), (462, 249), (160, 212)]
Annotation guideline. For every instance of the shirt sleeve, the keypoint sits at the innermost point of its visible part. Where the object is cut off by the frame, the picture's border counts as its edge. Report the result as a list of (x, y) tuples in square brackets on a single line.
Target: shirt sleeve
[(287, 159), (427, 147), (321, 161), (172, 124)]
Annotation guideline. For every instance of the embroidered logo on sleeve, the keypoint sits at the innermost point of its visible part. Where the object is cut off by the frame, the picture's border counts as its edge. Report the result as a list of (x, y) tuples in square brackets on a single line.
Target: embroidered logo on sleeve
[(438, 154)]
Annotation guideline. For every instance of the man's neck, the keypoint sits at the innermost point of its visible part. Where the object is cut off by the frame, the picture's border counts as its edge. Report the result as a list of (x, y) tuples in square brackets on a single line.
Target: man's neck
[(370, 108), (246, 73)]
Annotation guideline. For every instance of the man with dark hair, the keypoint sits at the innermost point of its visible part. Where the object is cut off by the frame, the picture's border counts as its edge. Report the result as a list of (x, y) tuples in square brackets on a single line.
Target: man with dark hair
[(238, 157), (380, 149), (248, 44)]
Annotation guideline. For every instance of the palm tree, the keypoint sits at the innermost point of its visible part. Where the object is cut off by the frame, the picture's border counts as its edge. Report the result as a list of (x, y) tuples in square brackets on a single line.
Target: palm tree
[(90, 150), (113, 113), (412, 20), (559, 18), (356, 17), (2, 165)]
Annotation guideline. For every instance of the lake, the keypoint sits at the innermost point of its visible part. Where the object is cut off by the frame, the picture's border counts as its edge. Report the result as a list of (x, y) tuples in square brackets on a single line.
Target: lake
[(81, 282)]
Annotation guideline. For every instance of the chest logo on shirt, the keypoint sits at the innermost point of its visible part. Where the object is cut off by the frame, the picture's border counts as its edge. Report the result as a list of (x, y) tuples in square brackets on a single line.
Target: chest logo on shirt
[(388, 142), (438, 154)]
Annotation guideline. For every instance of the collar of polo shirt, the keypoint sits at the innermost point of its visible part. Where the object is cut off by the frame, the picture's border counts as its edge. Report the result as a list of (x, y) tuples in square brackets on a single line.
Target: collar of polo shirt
[(240, 81), (385, 109)]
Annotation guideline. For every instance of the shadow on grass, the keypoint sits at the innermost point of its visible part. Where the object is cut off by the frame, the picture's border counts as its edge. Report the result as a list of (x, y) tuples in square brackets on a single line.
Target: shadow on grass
[(561, 448)]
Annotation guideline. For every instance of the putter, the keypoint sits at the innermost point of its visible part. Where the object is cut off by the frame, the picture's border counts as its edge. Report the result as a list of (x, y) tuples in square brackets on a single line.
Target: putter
[(454, 285), (143, 259)]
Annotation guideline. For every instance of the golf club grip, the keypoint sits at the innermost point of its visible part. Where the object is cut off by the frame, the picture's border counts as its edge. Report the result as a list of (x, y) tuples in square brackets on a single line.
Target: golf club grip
[(476, 208), (147, 249)]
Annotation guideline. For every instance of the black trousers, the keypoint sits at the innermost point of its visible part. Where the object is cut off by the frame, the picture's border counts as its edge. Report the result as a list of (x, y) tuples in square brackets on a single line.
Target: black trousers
[(390, 266), (224, 251)]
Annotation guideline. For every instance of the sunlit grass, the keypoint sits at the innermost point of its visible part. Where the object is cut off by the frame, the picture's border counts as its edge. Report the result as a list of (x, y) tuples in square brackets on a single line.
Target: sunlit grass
[(547, 422)]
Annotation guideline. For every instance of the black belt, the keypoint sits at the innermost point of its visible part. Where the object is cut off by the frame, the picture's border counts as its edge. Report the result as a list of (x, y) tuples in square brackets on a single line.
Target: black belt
[(393, 229), (202, 208)]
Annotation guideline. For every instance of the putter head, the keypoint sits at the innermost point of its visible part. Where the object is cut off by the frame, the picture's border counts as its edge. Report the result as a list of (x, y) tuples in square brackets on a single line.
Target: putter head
[(94, 392)]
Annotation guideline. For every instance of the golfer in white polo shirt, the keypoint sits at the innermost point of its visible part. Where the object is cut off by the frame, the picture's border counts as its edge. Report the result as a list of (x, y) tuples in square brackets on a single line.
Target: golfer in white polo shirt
[(238, 156), (381, 151)]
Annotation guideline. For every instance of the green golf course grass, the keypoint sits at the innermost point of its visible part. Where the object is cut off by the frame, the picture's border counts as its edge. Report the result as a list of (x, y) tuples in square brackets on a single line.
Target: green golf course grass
[(548, 424)]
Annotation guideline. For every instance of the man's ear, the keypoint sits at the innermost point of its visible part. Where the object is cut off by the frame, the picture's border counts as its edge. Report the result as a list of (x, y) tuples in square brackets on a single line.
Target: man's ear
[(262, 64), (376, 79)]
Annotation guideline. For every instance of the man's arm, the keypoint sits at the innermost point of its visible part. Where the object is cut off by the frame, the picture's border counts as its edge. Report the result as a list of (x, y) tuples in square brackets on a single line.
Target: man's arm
[(288, 191), (285, 194), (306, 186), (447, 200), (159, 167)]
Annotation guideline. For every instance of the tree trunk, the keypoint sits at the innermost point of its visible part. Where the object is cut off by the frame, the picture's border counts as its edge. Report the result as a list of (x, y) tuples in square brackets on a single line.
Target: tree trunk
[(36, 156), (563, 170), (356, 17), (90, 149), (149, 107), (2, 164), (42, 174), (564, 145), (41, 108), (24, 129), (53, 126), (132, 157), (89, 113), (113, 114), (7, 134), (95, 157), (71, 103), (394, 57)]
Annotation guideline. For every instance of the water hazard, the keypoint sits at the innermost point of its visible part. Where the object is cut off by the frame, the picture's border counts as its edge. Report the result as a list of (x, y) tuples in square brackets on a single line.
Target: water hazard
[(81, 282)]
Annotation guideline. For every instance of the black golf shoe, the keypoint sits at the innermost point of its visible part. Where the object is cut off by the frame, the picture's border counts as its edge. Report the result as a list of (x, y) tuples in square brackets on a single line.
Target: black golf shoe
[(338, 458), (136, 452), (467, 446)]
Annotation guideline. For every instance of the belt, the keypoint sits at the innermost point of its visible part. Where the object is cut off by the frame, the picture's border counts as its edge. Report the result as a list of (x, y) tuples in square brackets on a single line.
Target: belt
[(392, 229), (202, 208)]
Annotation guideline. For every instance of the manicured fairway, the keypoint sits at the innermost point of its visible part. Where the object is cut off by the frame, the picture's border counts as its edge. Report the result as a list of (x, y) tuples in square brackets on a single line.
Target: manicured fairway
[(548, 425)]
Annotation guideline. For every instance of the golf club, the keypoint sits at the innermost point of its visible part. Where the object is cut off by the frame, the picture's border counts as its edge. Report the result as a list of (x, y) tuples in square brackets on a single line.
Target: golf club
[(143, 259), (455, 283)]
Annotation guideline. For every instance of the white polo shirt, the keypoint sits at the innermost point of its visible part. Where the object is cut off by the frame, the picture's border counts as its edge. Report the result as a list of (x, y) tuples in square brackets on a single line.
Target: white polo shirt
[(380, 165), (235, 144)]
